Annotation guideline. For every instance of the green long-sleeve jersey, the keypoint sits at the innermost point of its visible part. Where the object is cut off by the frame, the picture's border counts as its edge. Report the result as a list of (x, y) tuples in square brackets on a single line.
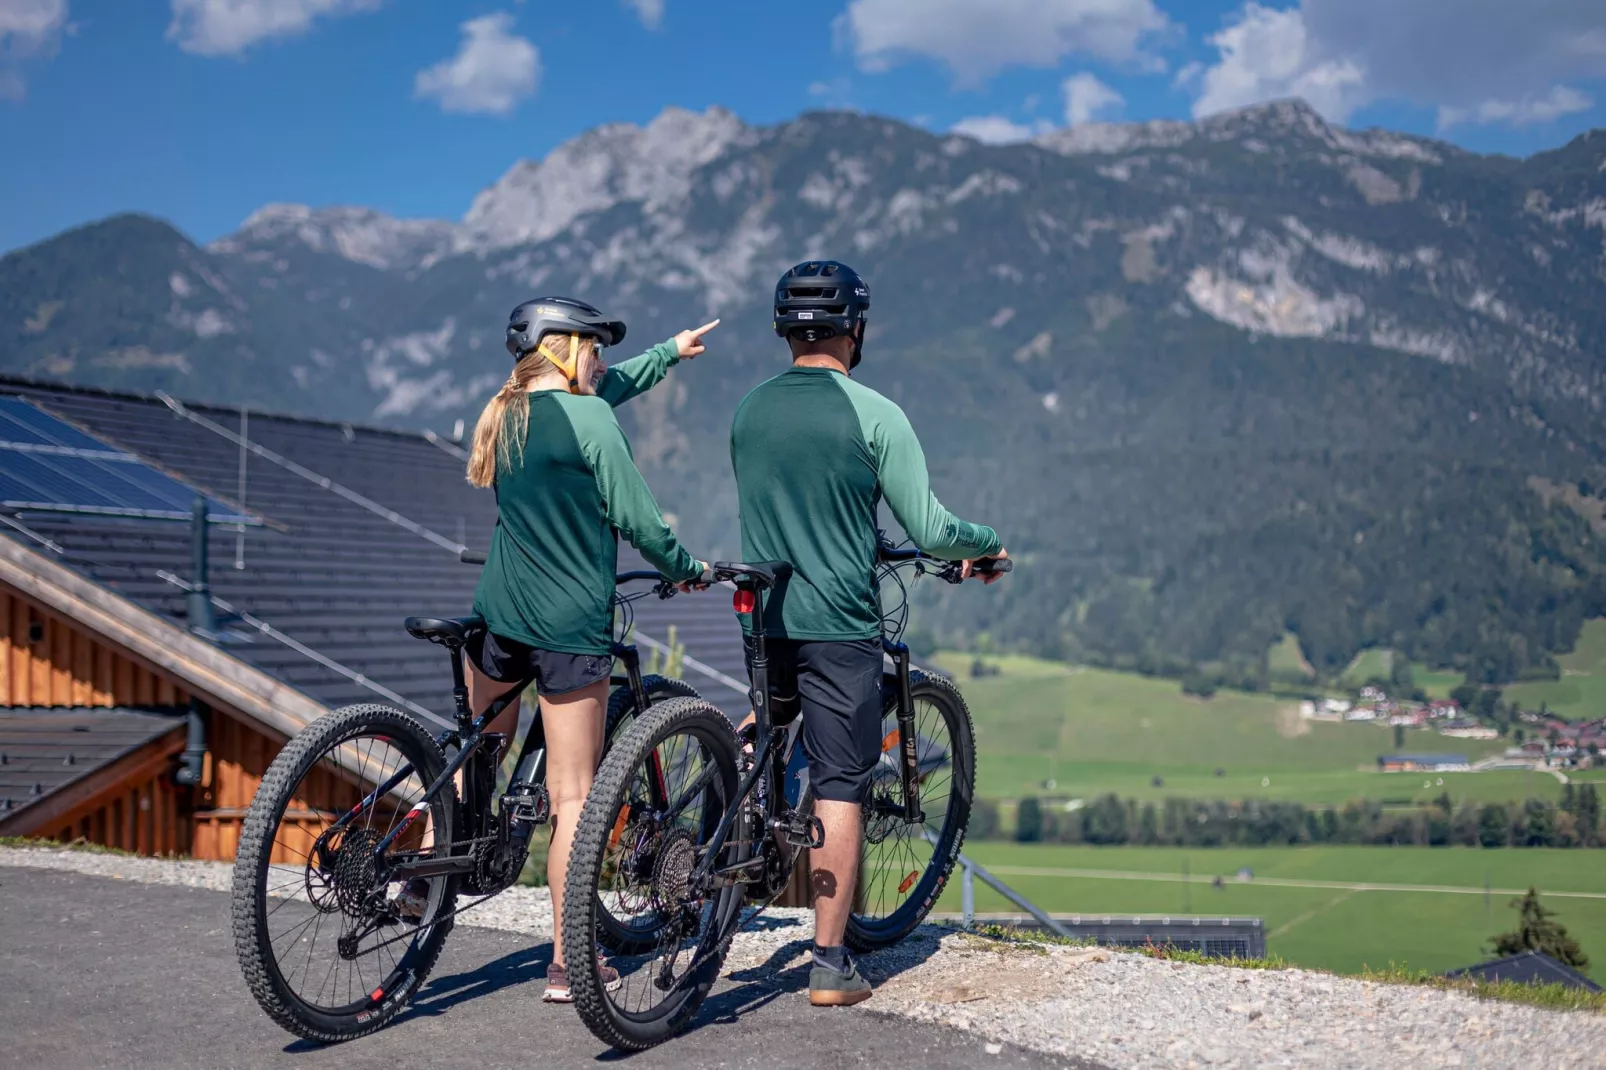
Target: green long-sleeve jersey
[(549, 576), (814, 454)]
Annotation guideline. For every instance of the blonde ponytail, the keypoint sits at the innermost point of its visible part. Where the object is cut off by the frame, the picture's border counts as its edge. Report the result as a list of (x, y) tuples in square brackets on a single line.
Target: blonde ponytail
[(500, 433)]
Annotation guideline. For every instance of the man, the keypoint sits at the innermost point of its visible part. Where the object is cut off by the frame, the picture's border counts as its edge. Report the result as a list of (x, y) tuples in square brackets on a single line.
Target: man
[(814, 454)]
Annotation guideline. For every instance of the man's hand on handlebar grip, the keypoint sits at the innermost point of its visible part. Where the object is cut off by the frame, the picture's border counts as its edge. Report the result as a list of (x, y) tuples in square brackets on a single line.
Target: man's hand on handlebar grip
[(987, 575)]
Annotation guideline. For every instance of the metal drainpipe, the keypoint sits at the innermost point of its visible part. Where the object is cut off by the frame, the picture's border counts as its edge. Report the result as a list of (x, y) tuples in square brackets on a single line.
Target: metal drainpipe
[(198, 603), (192, 763)]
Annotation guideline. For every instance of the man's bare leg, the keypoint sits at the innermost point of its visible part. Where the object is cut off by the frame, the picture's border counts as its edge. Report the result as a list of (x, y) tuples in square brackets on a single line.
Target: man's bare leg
[(836, 868), (835, 981)]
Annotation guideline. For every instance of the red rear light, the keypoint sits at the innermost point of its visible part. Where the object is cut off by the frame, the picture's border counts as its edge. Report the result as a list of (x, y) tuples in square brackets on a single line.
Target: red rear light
[(744, 601)]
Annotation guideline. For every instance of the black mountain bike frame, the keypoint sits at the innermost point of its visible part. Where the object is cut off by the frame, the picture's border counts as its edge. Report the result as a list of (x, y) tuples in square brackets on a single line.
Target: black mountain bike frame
[(775, 743), (475, 820)]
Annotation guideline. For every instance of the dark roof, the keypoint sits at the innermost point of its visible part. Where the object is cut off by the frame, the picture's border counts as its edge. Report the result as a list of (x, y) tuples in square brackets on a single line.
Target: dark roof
[(1425, 759), (329, 574), (1528, 968), (44, 749)]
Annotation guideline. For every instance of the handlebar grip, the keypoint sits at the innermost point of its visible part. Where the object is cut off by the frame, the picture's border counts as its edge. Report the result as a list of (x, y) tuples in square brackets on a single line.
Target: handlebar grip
[(472, 557), (992, 564)]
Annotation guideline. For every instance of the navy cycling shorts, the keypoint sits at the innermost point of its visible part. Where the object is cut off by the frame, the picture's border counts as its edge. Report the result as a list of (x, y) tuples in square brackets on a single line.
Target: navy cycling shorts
[(838, 684)]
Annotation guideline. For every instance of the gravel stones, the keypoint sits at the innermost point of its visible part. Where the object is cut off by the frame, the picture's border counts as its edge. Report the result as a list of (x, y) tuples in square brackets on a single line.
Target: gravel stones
[(1119, 1010)]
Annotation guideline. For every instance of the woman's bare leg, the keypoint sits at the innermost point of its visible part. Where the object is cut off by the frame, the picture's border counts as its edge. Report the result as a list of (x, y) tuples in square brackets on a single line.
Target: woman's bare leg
[(574, 736)]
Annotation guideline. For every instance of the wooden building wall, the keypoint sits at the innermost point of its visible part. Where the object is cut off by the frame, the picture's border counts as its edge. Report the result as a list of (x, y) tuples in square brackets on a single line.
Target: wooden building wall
[(47, 660)]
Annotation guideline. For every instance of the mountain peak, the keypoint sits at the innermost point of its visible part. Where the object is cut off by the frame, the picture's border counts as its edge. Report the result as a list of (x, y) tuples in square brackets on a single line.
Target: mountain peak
[(361, 234), (619, 162)]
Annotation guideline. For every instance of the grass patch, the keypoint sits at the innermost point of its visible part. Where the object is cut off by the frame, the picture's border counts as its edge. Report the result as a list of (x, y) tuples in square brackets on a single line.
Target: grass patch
[(1199, 958), (1554, 997), (1374, 663), (1581, 691), (1286, 661), (1549, 997), (72, 845)]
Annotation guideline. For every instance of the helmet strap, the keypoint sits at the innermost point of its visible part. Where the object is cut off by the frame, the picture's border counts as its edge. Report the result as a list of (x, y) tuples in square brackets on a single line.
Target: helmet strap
[(568, 367), (858, 346)]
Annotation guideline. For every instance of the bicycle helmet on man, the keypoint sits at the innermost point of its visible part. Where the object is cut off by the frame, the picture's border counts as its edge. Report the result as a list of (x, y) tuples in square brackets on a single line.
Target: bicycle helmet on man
[(821, 299)]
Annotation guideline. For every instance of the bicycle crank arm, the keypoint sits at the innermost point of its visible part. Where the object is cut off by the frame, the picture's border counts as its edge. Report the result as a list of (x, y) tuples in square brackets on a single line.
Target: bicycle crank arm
[(432, 867)]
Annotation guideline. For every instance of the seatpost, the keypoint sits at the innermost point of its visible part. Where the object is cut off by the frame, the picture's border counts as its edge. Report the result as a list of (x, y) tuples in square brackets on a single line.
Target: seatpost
[(465, 716), (761, 666)]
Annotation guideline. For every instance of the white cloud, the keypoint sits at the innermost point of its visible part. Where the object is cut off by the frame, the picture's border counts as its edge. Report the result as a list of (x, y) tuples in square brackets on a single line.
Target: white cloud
[(1527, 111), (29, 29), (1477, 61), (491, 72), (1087, 98), (1268, 54), (999, 129), (650, 12), (978, 38), (228, 27)]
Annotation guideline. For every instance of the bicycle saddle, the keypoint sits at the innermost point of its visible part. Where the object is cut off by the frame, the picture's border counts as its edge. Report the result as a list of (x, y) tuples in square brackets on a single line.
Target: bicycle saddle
[(451, 631), (765, 574)]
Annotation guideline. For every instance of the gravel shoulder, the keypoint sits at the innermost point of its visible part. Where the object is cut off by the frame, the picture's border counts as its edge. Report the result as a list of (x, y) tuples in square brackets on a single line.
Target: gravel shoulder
[(1082, 1005)]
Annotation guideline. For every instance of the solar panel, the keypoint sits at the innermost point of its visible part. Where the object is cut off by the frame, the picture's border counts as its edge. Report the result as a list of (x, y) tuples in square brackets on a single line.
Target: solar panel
[(47, 465)]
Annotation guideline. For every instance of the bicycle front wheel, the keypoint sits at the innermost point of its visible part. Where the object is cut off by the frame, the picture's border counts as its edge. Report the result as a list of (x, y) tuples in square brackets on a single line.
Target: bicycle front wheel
[(643, 836), (906, 865)]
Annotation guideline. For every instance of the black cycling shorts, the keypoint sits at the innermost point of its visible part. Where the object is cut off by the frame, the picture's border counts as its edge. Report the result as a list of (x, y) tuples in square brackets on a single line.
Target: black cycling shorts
[(838, 684), (508, 661)]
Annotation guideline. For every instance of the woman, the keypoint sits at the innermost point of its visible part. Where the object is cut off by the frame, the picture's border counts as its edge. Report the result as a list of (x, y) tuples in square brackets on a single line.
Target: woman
[(566, 487)]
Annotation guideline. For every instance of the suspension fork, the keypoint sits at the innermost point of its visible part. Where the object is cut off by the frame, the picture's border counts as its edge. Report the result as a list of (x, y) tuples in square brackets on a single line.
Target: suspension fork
[(909, 762)]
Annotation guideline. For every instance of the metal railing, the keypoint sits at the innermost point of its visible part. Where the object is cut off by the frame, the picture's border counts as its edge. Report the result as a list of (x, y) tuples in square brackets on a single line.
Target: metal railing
[(970, 870)]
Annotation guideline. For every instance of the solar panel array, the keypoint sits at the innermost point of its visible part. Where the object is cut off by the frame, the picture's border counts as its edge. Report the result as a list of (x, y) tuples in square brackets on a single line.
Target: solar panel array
[(47, 465)]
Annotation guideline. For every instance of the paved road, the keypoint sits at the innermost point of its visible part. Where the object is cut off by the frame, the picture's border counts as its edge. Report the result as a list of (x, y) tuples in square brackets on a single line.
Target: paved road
[(97, 972)]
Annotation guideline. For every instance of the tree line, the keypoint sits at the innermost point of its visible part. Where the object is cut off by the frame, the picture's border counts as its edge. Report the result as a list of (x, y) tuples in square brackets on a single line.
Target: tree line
[(1111, 820)]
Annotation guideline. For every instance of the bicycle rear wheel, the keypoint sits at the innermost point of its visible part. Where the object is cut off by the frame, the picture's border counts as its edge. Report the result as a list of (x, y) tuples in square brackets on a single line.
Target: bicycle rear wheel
[(642, 835), (323, 947), (905, 866), (634, 933)]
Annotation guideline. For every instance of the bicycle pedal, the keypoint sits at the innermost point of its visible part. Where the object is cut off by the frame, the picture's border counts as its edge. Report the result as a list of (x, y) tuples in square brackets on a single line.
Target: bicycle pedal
[(528, 803), (801, 831)]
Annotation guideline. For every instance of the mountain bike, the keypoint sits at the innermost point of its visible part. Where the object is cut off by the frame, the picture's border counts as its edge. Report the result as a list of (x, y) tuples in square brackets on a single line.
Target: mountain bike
[(688, 823), (364, 808)]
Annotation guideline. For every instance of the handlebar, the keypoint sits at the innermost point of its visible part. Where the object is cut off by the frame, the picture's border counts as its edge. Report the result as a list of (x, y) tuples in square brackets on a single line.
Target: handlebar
[(472, 557), (949, 571)]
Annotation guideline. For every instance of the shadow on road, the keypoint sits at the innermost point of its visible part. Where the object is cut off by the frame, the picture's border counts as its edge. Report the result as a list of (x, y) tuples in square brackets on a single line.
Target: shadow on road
[(786, 972)]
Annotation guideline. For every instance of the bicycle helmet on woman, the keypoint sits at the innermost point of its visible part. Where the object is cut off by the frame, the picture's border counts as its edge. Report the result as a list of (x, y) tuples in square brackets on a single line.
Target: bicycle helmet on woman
[(822, 299), (532, 320)]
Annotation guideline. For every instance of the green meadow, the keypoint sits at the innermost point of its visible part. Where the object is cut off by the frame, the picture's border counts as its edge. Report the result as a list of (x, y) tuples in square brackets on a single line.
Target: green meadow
[(1318, 918), (1094, 730)]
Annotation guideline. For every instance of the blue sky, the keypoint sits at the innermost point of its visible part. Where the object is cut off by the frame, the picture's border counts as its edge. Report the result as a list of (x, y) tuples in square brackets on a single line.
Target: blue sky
[(200, 111)]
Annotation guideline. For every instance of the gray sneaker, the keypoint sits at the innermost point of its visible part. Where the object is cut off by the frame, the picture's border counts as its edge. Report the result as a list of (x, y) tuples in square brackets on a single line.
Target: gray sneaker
[(833, 988)]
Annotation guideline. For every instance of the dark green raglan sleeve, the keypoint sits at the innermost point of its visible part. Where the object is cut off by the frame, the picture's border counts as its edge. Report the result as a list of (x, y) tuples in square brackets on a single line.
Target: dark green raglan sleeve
[(637, 375), (906, 485), (627, 503)]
